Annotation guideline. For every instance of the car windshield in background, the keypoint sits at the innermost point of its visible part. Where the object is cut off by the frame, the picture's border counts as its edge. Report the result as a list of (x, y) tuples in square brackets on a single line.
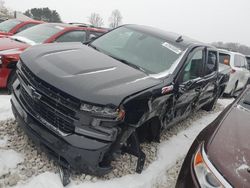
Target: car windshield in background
[(37, 34), (7, 25), (138, 49)]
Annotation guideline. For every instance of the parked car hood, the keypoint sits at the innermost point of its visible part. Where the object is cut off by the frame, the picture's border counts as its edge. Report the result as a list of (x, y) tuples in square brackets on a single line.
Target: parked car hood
[(229, 148), (8, 43), (86, 73)]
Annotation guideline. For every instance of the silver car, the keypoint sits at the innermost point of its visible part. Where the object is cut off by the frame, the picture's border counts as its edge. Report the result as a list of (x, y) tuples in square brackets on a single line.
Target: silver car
[(239, 74)]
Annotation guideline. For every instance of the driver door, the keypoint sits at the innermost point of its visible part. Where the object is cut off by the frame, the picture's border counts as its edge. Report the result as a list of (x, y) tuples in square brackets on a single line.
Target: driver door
[(190, 84)]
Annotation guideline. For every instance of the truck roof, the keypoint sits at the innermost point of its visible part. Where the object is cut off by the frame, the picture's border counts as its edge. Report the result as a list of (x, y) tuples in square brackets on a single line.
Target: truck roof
[(177, 39)]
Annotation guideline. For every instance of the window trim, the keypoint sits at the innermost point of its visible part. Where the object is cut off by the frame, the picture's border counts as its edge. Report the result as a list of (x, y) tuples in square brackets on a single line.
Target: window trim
[(207, 50)]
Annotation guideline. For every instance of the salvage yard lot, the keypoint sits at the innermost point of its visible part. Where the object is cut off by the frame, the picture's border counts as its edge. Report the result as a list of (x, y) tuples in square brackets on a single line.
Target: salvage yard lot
[(29, 167)]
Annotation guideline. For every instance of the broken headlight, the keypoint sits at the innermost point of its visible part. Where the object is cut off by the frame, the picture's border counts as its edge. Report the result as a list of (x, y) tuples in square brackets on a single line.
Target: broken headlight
[(106, 112)]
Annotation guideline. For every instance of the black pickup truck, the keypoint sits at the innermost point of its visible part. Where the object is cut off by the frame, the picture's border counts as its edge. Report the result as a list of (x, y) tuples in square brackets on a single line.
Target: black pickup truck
[(88, 103)]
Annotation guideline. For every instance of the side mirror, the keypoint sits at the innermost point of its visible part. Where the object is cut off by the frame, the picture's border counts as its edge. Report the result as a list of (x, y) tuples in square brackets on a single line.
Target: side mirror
[(92, 37)]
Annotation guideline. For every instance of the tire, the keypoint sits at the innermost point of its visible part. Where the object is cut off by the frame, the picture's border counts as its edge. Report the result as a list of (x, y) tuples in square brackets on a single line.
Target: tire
[(11, 80), (210, 106)]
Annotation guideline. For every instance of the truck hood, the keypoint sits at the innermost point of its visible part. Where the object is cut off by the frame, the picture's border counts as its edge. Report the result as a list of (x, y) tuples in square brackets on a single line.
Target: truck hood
[(85, 73), (229, 149), (8, 43)]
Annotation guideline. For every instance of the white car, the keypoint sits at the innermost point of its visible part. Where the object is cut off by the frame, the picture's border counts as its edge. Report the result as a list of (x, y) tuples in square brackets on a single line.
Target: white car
[(239, 74)]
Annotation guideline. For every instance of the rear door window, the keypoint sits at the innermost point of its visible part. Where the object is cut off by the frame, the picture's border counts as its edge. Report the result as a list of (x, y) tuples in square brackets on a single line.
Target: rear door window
[(243, 62)]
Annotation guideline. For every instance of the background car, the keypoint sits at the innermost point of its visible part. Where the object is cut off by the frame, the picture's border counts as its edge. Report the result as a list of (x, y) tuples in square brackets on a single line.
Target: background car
[(13, 26), (11, 47), (220, 156), (239, 73)]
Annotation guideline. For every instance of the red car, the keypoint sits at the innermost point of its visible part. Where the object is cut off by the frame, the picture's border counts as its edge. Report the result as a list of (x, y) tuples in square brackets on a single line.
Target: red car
[(11, 47), (13, 26)]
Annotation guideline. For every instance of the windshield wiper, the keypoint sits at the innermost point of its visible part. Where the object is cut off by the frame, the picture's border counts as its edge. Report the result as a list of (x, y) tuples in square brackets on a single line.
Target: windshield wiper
[(129, 64), (94, 47)]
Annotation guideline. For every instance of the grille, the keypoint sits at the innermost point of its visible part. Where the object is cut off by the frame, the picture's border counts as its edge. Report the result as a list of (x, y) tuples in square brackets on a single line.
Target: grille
[(53, 106)]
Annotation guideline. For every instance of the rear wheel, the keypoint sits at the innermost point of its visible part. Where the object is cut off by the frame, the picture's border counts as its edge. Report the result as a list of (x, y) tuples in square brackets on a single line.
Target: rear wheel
[(11, 80)]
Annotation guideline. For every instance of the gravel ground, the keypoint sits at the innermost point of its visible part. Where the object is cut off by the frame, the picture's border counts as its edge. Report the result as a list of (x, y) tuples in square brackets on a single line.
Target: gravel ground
[(36, 162)]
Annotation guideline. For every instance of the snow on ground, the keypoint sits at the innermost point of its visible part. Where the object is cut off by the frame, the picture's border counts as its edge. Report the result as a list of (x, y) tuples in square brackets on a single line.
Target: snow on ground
[(5, 107), (160, 171), (9, 159), (3, 141)]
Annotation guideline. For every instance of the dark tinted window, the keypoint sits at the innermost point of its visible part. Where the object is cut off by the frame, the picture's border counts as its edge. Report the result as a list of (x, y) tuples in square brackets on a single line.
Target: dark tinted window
[(193, 67), (224, 58), (25, 27), (72, 36), (7, 25), (211, 64)]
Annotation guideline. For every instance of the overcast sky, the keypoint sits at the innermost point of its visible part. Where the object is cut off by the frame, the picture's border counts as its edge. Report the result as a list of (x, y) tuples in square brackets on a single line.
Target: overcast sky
[(204, 20)]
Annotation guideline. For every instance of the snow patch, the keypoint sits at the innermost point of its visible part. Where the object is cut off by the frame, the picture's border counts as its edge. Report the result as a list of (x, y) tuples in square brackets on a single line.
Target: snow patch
[(9, 159), (3, 142), (5, 107)]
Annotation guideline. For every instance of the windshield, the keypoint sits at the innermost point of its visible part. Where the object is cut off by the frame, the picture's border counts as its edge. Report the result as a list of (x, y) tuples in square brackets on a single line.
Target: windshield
[(37, 34), (7, 25), (150, 53)]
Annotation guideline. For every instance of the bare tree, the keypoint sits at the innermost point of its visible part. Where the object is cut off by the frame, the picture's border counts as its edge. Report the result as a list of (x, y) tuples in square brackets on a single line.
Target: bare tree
[(96, 20), (5, 12), (115, 19)]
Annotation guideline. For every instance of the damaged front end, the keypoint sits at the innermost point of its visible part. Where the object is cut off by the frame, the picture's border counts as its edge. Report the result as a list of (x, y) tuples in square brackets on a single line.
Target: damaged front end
[(79, 136)]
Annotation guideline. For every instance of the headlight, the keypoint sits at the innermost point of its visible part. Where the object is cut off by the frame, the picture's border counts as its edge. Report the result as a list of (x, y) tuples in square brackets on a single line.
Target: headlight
[(1, 60), (106, 112), (206, 173)]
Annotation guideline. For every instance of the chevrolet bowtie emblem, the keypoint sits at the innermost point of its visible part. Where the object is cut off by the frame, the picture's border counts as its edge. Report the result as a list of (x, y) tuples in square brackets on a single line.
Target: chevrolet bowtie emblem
[(34, 94)]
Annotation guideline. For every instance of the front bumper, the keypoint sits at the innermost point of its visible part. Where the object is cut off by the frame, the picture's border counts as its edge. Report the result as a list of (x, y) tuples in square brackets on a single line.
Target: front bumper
[(73, 151)]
